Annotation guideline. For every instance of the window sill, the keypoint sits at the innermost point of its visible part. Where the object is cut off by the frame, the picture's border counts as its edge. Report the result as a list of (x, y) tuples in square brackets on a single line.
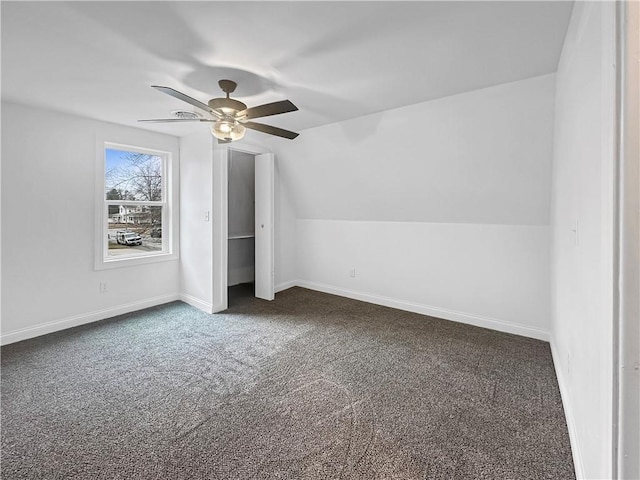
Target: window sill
[(105, 264)]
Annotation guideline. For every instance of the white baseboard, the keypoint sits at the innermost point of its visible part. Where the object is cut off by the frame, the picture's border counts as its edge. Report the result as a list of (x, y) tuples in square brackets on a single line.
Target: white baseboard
[(196, 302), (221, 307), (53, 326), (568, 412), (285, 285), (76, 320), (443, 313)]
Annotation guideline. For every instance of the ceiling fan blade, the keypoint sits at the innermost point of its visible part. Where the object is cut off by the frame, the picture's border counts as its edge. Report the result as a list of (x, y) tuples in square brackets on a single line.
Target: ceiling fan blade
[(279, 132), (275, 108), (185, 98), (171, 120)]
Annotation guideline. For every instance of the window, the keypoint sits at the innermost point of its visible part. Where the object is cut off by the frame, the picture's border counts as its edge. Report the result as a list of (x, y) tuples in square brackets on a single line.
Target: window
[(136, 208)]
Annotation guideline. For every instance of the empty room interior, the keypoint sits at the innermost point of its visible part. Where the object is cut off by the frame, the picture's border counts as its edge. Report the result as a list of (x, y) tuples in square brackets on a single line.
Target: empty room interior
[(320, 240)]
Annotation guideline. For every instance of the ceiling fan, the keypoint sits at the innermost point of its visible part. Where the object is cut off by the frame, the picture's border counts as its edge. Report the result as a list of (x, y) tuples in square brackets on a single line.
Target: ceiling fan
[(231, 117)]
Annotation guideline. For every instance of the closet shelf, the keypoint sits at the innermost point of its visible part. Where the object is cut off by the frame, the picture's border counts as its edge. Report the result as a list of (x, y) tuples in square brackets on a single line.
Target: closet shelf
[(240, 236)]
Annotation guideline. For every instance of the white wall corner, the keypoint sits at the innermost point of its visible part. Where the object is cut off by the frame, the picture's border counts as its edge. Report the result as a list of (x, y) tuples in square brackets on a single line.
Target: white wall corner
[(77, 320), (286, 285), (568, 412)]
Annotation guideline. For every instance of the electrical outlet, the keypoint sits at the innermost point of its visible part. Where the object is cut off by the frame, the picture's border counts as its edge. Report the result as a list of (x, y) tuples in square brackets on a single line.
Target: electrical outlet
[(104, 287), (352, 273), (206, 215)]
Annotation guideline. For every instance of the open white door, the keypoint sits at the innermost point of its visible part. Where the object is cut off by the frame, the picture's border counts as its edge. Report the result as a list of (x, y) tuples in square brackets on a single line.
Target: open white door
[(265, 273)]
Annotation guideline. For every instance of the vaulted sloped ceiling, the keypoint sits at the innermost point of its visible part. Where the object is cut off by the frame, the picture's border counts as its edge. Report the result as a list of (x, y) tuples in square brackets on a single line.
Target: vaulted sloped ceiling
[(334, 60)]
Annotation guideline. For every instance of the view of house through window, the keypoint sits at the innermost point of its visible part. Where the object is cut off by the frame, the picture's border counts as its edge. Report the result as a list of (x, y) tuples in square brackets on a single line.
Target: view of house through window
[(135, 203)]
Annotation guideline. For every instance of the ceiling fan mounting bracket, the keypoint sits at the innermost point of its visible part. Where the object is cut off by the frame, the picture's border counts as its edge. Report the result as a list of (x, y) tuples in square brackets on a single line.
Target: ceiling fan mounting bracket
[(227, 86)]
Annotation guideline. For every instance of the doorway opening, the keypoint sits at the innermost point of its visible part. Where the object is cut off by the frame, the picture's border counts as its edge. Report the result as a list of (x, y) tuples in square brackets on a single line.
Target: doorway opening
[(241, 220), (226, 224)]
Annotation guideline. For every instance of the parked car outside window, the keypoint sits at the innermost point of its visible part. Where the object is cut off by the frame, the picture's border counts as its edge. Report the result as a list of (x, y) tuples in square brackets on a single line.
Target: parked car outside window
[(128, 238)]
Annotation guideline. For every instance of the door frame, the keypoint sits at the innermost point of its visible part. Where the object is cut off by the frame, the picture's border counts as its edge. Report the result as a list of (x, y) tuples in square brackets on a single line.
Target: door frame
[(626, 341), (220, 218), (264, 185)]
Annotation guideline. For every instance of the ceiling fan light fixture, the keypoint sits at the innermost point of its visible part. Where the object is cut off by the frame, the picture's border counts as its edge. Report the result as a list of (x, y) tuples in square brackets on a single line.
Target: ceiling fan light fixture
[(228, 130)]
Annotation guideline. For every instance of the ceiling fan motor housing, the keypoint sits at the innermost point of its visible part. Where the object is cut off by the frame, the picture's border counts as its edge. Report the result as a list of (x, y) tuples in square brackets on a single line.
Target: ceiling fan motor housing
[(227, 105)]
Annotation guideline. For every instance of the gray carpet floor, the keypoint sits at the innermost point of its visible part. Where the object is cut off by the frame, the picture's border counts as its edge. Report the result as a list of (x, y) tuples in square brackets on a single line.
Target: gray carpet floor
[(309, 386)]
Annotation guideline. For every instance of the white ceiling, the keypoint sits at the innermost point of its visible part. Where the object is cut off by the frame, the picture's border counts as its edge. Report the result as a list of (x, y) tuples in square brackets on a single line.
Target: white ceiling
[(334, 60)]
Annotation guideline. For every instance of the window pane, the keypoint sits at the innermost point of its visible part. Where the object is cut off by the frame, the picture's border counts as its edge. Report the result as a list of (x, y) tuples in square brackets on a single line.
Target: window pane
[(134, 230), (132, 176)]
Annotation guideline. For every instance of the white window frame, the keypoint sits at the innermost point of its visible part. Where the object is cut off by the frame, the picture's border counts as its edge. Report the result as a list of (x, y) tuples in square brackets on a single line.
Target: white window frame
[(168, 203)]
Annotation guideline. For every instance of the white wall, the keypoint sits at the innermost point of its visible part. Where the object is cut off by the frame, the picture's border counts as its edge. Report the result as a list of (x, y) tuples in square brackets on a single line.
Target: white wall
[(494, 276), (480, 157), (441, 207), (196, 233), (285, 230), (48, 224), (582, 268)]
